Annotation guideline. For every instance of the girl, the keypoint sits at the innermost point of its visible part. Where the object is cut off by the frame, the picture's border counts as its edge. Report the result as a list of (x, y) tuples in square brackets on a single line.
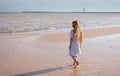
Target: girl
[(76, 39)]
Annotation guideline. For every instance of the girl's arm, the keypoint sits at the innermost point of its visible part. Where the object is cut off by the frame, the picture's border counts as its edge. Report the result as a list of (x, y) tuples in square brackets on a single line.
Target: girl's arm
[(70, 43), (81, 39)]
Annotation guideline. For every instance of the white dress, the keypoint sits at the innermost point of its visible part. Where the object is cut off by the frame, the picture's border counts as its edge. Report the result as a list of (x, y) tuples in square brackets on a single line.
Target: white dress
[(75, 49)]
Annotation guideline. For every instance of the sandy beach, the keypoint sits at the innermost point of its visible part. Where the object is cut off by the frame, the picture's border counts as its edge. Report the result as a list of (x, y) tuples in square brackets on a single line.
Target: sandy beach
[(46, 54)]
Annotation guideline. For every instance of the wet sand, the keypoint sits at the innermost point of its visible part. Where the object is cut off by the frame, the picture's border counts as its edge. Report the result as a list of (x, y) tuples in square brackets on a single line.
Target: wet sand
[(47, 54)]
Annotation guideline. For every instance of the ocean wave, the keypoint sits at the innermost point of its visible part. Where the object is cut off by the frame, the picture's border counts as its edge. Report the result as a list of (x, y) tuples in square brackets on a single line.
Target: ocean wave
[(13, 23)]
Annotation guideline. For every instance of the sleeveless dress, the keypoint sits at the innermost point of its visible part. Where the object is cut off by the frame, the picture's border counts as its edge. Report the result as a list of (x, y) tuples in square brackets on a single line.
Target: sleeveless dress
[(75, 49)]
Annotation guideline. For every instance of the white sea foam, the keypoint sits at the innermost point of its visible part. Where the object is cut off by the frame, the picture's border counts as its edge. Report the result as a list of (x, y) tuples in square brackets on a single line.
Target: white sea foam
[(24, 22)]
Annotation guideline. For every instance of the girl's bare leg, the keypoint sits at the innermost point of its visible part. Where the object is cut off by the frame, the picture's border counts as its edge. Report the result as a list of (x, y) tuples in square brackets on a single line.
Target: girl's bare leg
[(77, 63), (74, 63)]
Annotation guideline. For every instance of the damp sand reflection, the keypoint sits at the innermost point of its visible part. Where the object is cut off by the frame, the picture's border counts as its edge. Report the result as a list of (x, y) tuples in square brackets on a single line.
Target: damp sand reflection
[(75, 72)]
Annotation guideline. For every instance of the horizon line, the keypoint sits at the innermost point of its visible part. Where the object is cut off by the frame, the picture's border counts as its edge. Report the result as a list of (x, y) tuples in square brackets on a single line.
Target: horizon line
[(59, 12)]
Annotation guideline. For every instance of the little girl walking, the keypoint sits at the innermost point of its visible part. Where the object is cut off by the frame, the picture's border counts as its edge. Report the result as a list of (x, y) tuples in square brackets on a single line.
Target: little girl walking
[(76, 38)]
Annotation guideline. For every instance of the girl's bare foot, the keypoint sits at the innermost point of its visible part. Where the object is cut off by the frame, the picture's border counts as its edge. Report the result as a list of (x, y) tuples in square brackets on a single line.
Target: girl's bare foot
[(77, 65), (73, 64)]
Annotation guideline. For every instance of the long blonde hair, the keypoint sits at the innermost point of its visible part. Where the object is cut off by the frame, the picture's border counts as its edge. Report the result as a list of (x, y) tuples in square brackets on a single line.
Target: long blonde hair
[(77, 30)]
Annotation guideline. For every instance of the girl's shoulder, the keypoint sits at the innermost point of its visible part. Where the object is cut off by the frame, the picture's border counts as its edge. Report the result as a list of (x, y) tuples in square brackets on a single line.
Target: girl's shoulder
[(72, 31)]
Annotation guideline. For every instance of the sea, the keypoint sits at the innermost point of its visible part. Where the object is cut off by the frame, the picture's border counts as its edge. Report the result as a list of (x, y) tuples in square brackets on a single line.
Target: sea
[(28, 22)]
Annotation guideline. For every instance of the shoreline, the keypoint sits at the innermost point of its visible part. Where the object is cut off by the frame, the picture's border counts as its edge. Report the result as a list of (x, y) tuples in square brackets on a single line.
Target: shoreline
[(86, 31)]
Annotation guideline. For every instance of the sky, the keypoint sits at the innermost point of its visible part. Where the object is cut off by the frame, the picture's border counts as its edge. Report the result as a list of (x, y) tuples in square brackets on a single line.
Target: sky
[(60, 5)]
